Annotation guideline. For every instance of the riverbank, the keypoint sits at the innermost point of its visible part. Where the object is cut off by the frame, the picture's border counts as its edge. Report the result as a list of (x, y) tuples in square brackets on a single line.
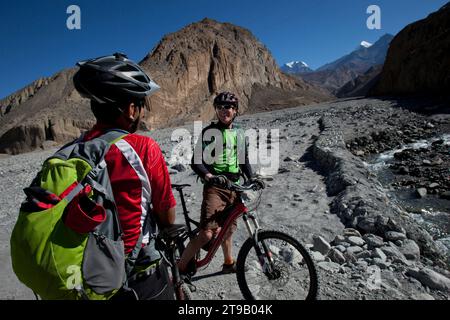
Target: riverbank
[(411, 159), (387, 231)]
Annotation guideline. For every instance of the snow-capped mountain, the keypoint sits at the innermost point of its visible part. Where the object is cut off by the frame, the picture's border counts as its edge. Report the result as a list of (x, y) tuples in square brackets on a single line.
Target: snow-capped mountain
[(364, 57), (365, 44), (295, 67), (336, 74), (296, 63)]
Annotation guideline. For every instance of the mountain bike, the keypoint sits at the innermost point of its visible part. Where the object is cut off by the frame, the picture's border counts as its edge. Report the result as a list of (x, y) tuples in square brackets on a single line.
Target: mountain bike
[(271, 265)]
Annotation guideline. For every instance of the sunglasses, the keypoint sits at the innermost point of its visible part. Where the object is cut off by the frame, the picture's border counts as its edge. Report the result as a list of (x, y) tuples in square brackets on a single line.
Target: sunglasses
[(228, 107)]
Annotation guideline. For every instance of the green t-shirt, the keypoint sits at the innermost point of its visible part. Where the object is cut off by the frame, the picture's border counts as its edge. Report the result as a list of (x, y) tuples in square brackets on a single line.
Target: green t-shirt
[(228, 161)]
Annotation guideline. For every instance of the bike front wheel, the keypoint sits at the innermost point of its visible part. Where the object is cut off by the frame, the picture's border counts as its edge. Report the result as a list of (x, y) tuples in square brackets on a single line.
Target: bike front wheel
[(277, 267)]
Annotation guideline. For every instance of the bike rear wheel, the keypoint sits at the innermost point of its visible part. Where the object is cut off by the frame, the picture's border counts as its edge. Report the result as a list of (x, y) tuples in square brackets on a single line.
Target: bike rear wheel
[(283, 271)]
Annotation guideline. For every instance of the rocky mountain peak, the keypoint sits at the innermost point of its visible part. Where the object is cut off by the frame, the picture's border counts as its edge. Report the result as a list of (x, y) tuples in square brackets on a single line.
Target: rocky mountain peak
[(191, 66), (418, 61), (205, 58), (295, 67)]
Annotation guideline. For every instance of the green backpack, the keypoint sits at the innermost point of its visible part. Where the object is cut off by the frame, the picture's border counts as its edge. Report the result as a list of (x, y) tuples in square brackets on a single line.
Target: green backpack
[(66, 243)]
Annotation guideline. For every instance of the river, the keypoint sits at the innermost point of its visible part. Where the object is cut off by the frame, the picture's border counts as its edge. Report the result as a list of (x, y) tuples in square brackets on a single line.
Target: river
[(432, 212)]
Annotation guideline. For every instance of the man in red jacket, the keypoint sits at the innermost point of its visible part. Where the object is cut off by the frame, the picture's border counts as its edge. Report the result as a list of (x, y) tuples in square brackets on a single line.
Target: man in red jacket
[(118, 89)]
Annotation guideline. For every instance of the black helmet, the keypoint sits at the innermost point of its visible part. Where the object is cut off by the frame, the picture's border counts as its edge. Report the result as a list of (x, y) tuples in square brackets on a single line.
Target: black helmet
[(112, 79), (226, 98)]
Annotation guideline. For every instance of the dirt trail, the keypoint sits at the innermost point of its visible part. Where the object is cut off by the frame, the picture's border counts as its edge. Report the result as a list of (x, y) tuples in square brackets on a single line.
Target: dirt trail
[(295, 202)]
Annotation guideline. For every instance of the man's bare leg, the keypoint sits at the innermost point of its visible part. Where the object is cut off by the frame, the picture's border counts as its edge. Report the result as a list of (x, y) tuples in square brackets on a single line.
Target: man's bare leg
[(227, 248), (194, 246)]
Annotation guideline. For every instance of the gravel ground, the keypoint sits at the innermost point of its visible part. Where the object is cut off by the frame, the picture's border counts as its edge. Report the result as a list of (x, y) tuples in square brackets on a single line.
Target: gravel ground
[(296, 201)]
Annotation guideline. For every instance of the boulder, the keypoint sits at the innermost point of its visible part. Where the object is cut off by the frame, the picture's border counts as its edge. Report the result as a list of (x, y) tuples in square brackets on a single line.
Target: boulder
[(354, 250), (364, 254), (410, 250), (338, 240), (367, 224), (433, 185), (394, 236), (373, 241), (336, 256), (430, 278), (392, 225), (321, 245), (381, 263), (421, 192), (350, 257), (356, 241), (393, 253), (350, 232), (378, 253)]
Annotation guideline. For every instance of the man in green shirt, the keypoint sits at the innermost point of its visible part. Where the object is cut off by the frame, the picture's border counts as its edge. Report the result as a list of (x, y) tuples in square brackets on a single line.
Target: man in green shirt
[(221, 150)]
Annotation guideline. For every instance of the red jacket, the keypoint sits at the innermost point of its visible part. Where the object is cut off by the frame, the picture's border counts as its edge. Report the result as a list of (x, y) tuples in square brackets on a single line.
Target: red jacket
[(130, 189)]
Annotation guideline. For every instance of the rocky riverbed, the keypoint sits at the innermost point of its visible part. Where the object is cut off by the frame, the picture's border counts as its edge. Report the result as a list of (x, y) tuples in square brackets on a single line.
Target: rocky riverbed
[(418, 156), (411, 159), (367, 245)]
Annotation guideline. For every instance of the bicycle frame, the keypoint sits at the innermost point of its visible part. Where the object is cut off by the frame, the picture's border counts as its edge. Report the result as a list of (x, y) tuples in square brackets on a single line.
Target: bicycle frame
[(234, 212), (259, 240)]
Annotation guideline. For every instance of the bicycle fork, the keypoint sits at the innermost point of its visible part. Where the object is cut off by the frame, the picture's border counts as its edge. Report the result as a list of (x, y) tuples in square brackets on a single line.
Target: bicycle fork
[(265, 255)]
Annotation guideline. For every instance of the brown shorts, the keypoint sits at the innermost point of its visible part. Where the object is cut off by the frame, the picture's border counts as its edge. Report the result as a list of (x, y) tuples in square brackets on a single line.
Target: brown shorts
[(215, 200)]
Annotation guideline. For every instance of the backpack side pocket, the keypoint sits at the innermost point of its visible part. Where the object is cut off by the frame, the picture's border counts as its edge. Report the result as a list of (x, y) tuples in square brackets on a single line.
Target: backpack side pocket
[(104, 264)]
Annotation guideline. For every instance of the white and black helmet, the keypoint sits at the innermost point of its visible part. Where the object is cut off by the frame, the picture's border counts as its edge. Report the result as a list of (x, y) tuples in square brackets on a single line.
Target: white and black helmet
[(112, 79), (226, 98)]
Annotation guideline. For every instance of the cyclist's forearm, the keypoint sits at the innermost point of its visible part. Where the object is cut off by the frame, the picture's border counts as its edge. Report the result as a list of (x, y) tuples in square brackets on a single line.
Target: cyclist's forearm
[(200, 169), (247, 170), (165, 218)]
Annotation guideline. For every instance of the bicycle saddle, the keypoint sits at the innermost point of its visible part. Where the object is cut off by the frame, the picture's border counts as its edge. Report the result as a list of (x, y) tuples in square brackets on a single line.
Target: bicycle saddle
[(173, 231), (180, 186)]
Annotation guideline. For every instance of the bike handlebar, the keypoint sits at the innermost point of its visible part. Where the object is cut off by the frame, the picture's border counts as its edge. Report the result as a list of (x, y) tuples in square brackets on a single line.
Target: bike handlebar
[(238, 187), (227, 185)]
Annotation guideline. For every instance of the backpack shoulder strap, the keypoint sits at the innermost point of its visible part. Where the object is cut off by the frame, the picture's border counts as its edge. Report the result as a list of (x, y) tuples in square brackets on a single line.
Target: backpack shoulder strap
[(107, 140), (112, 136)]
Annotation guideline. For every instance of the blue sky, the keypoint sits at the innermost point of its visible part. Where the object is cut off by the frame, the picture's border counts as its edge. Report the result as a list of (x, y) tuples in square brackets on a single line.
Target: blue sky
[(36, 42)]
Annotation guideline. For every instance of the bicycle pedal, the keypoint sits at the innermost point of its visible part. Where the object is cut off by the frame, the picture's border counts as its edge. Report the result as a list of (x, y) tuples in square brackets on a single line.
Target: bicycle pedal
[(192, 287)]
